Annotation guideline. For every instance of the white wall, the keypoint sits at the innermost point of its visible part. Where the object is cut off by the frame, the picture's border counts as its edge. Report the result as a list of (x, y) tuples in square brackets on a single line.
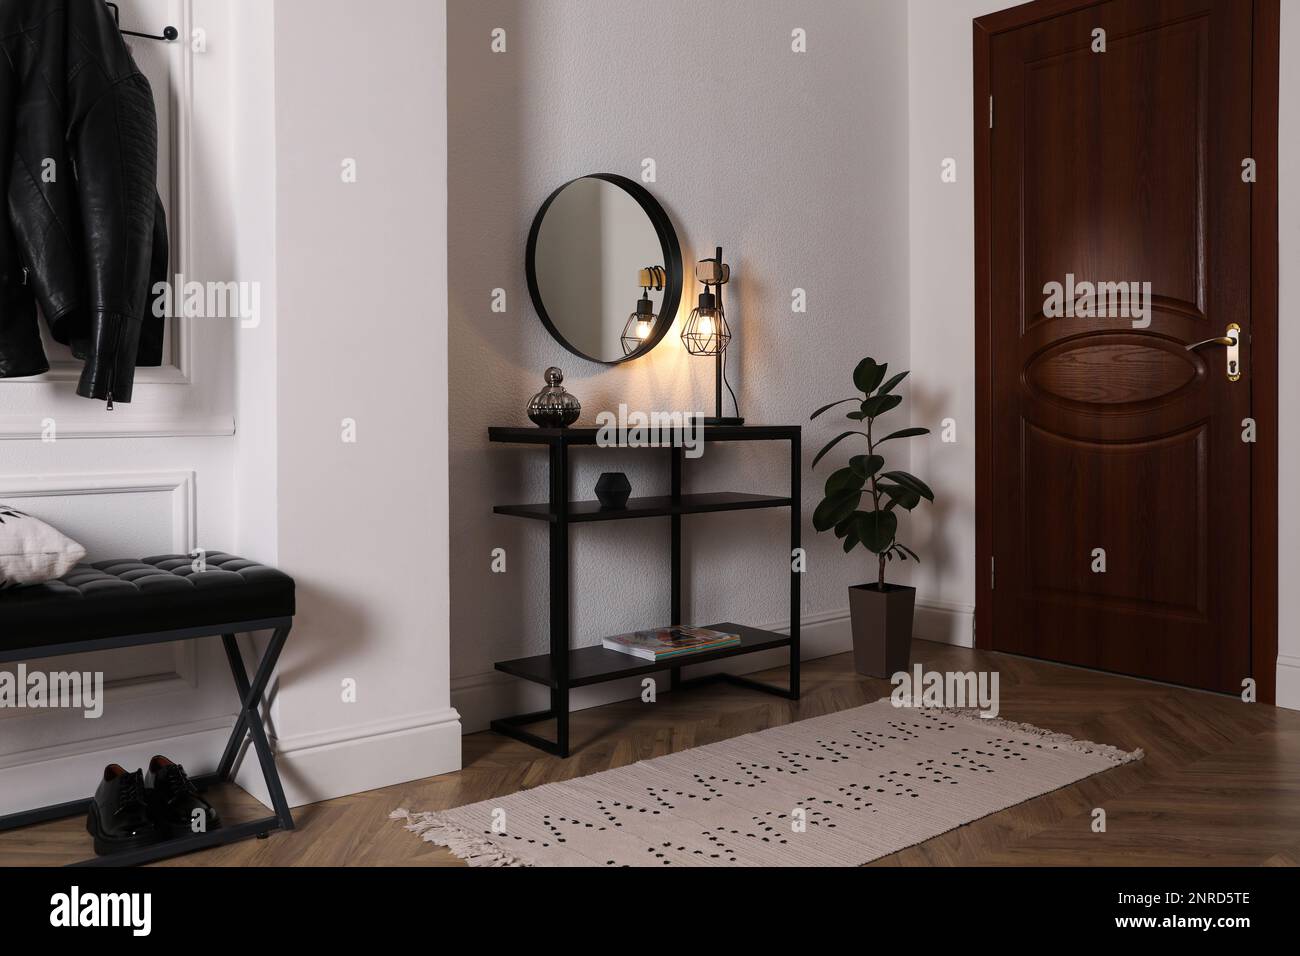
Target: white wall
[(794, 164), (941, 236), (252, 175), (353, 325), (941, 220), (152, 477), (360, 334)]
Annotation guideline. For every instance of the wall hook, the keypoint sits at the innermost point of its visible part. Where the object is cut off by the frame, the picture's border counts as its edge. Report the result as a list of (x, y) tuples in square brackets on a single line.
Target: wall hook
[(169, 32)]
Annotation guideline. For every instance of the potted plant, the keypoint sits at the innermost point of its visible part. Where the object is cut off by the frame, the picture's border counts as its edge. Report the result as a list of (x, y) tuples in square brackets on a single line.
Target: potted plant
[(861, 506)]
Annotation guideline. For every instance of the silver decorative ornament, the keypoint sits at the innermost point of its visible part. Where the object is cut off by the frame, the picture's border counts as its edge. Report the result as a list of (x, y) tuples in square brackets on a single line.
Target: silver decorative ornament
[(553, 407)]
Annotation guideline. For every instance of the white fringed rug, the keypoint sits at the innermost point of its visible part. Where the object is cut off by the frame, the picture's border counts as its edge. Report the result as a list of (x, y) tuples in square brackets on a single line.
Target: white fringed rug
[(838, 790)]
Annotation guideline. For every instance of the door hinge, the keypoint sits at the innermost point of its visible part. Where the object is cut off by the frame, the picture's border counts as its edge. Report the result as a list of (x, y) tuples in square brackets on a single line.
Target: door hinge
[(990, 111), (992, 572)]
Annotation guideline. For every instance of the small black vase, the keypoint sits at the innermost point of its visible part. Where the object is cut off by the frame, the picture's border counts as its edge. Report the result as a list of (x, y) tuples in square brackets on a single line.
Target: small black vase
[(613, 490)]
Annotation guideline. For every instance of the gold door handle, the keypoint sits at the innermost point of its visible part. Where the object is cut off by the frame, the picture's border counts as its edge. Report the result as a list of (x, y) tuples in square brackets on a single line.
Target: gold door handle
[(1233, 341)]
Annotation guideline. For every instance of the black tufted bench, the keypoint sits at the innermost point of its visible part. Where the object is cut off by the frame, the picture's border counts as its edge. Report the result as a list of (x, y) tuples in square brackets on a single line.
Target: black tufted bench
[(128, 603)]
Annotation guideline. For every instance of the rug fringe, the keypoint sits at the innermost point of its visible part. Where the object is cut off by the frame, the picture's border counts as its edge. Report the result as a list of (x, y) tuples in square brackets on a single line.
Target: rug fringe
[(470, 847), (1114, 754)]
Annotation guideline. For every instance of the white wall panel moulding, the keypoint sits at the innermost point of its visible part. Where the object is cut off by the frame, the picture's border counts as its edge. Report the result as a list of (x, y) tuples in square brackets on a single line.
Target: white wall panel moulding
[(115, 424)]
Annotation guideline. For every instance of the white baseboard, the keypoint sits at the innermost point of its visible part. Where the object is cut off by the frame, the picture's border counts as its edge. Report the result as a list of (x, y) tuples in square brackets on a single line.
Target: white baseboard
[(1288, 682), (74, 776), (944, 623), (322, 766), (481, 698), (313, 767)]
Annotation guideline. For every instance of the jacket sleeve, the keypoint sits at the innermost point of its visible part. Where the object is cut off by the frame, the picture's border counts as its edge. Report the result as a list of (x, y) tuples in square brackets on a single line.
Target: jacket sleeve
[(150, 353), (113, 140)]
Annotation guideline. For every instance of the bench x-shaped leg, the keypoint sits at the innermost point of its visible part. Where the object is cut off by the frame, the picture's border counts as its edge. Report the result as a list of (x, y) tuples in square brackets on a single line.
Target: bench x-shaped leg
[(249, 721)]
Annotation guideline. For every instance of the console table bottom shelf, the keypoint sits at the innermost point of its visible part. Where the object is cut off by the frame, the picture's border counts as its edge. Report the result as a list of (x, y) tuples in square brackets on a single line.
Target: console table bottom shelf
[(595, 665)]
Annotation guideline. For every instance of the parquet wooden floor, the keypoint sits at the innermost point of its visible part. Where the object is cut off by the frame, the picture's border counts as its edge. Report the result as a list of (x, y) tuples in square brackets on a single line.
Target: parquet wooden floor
[(1220, 784)]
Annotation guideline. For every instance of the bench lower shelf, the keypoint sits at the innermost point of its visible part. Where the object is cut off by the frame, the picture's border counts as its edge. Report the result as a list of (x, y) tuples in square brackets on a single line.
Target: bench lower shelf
[(595, 665)]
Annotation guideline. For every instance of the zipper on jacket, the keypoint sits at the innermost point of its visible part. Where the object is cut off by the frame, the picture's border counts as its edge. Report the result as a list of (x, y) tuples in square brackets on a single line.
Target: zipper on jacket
[(112, 368)]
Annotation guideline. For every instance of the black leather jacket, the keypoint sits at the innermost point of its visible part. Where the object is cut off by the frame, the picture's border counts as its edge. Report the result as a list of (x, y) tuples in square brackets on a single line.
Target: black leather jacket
[(85, 237)]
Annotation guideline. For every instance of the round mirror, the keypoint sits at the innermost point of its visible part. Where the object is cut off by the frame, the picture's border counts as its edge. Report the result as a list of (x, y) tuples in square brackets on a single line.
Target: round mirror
[(604, 268)]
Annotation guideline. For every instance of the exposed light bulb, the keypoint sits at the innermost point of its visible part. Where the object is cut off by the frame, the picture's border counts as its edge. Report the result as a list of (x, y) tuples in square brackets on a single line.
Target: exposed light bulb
[(643, 330)]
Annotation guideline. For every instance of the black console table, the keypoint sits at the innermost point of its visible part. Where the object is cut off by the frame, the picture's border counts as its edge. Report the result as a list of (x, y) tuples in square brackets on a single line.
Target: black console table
[(564, 668)]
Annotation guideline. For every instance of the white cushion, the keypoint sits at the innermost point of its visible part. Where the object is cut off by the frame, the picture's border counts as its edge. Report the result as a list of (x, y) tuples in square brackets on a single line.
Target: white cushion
[(31, 552)]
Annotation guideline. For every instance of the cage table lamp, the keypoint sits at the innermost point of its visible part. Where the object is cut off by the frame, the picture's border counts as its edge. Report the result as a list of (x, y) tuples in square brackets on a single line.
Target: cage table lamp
[(707, 332)]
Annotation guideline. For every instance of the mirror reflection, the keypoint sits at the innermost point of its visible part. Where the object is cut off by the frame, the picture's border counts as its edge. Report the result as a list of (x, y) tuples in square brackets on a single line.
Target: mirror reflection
[(597, 270)]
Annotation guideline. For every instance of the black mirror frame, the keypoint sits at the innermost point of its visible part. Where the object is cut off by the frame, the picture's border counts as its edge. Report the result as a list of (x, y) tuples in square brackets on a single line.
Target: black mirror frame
[(672, 264)]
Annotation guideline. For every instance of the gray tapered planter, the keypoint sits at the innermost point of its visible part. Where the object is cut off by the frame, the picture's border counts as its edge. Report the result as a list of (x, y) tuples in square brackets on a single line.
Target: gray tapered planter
[(882, 628)]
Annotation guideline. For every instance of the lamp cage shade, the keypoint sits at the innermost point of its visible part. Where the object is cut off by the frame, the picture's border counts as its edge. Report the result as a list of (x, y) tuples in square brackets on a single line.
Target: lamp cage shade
[(706, 331), (640, 326)]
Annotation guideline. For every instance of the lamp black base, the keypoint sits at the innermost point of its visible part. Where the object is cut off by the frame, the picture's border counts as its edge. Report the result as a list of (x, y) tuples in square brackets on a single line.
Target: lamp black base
[(716, 422)]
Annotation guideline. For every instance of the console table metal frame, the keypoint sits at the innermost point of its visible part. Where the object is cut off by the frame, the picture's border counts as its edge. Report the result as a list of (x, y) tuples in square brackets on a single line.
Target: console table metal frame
[(562, 668), (248, 723)]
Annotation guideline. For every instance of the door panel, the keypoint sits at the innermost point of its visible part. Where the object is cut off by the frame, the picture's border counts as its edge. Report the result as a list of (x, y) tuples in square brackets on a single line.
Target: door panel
[(1109, 439)]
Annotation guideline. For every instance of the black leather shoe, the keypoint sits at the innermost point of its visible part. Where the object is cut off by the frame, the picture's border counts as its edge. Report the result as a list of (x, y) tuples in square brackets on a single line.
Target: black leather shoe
[(174, 801), (119, 817)]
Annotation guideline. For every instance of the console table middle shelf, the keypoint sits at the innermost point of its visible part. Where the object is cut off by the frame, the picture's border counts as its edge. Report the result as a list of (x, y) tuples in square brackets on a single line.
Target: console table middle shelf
[(564, 667)]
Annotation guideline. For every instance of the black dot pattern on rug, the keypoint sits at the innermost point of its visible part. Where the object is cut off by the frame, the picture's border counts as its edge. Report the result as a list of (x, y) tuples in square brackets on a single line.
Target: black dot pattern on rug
[(770, 827), (873, 740), (968, 759), (662, 796), (895, 783), (1010, 749), (836, 750), (712, 783), (858, 796), (797, 762), (714, 849), (720, 849), (813, 817), (935, 722), (616, 811), (504, 834), (928, 771), (754, 771), (559, 826), (902, 730)]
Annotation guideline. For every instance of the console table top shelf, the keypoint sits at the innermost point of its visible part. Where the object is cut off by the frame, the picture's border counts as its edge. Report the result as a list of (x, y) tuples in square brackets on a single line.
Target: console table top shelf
[(661, 506), (520, 435)]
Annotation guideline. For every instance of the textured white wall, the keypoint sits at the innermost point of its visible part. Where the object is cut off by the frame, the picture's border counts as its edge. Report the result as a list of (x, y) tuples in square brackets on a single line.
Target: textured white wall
[(941, 233), (361, 334), (794, 163), (942, 302), (252, 211)]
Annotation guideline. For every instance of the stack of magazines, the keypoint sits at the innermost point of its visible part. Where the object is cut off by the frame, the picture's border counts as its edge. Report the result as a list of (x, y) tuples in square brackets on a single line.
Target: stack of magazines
[(666, 642)]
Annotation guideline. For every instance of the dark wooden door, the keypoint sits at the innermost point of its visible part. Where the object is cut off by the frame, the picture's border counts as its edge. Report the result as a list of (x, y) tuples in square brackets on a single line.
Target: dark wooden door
[(1112, 442)]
